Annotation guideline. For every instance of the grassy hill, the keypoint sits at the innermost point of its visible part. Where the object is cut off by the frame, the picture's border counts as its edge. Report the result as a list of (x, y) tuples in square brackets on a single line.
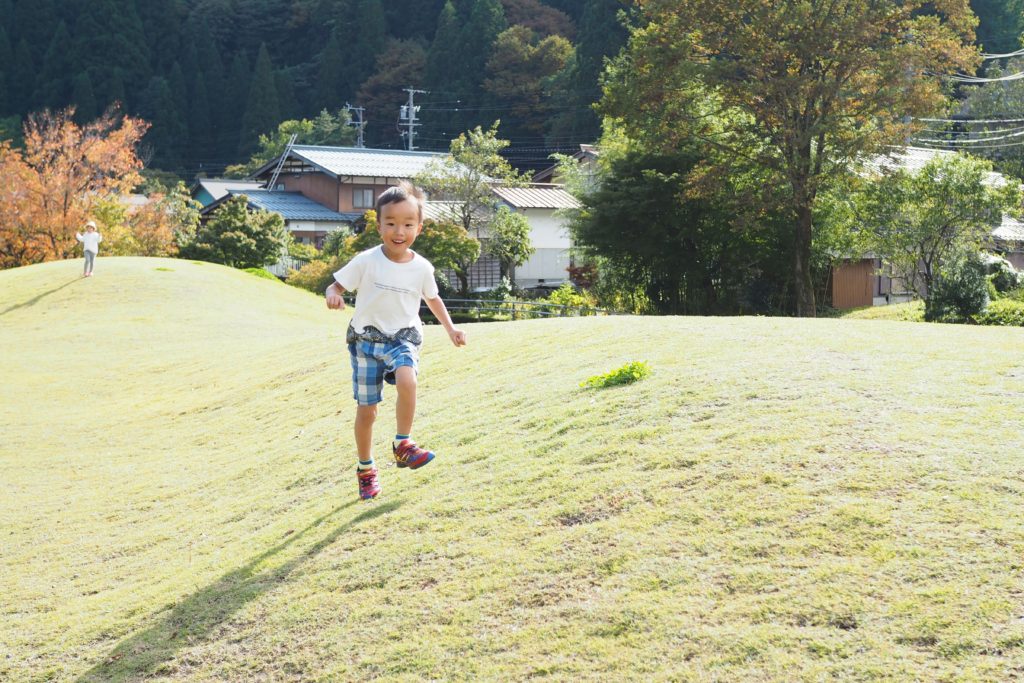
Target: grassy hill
[(782, 500)]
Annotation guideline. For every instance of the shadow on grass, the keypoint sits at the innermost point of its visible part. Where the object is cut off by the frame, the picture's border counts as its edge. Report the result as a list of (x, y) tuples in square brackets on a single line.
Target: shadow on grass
[(195, 617), (37, 298)]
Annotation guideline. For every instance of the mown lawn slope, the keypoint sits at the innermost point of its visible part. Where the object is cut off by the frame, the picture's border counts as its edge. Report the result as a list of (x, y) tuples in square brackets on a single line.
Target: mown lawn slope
[(782, 500)]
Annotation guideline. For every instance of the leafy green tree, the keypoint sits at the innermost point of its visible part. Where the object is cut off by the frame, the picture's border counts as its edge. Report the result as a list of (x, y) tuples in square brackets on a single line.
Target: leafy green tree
[(464, 178), (508, 240), (238, 237), (915, 221), (805, 87), (960, 290), (325, 129), (518, 71), (990, 102), (263, 111), (448, 246)]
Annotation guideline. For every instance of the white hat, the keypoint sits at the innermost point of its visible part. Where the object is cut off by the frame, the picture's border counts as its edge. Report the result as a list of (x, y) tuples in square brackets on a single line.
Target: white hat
[(90, 224)]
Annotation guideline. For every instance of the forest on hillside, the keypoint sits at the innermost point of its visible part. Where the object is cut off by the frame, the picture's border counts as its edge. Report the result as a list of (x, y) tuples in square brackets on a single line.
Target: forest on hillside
[(212, 75)]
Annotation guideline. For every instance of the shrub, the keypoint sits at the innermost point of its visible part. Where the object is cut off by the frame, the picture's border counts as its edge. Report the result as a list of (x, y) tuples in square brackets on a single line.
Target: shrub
[(314, 276), (1002, 274), (961, 290), (263, 273), (567, 295), (1006, 312), (627, 374)]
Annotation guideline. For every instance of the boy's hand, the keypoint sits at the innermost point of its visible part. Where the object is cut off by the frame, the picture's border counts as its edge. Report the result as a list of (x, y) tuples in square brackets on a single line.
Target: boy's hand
[(334, 299), (457, 336)]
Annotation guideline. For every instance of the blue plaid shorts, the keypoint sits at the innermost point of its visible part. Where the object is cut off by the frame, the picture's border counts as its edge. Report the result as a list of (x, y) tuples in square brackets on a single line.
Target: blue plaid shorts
[(374, 363)]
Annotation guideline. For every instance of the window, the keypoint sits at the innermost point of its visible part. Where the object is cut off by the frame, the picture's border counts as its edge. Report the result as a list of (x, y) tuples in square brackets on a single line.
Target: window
[(362, 198)]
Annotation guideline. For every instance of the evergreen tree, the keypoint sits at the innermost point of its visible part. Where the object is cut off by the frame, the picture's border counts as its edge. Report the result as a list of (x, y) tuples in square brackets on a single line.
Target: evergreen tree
[(236, 94), (53, 84), (179, 90), (289, 106), (999, 24), (444, 56), (331, 78), (22, 80), (167, 135), (200, 124), (369, 41), (161, 24), (6, 66), (263, 110), (108, 39), (600, 36), (485, 22), (6, 52), (412, 18), (84, 97), (33, 21)]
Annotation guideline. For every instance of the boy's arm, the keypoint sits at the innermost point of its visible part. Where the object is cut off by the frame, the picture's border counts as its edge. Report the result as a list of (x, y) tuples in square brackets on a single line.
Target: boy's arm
[(440, 312), (78, 236), (333, 294)]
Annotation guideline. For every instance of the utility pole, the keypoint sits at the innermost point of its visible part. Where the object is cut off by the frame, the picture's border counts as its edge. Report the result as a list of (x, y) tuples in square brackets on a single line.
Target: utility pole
[(359, 123), (407, 118)]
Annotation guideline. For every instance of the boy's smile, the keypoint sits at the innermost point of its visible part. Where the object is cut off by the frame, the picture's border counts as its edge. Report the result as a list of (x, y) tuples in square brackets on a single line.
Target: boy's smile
[(399, 225)]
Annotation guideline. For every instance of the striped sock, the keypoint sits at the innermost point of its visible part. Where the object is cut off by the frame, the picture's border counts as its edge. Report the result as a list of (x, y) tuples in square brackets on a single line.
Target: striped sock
[(399, 438), (365, 464)]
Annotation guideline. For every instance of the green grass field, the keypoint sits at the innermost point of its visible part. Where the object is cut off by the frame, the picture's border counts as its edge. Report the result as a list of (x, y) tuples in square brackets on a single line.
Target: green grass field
[(782, 500)]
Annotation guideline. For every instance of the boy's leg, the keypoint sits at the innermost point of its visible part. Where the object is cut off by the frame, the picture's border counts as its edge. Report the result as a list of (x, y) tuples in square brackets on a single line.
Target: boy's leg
[(405, 406), (365, 416)]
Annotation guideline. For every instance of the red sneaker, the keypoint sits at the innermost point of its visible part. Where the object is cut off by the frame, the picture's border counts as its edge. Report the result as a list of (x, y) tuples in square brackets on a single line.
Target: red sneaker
[(369, 487), (408, 454)]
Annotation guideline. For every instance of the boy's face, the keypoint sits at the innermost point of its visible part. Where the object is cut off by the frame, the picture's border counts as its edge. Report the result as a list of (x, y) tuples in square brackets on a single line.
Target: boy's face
[(399, 225), (90, 228)]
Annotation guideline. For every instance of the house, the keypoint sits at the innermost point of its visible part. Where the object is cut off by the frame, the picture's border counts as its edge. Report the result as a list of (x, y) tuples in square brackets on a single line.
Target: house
[(586, 158), (344, 179), (307, 221), (862, 281), (539, 204), (208, 190)]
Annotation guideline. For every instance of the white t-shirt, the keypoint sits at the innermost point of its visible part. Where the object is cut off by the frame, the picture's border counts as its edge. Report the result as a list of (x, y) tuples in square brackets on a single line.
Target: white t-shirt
[(387, 293), (91, 241)]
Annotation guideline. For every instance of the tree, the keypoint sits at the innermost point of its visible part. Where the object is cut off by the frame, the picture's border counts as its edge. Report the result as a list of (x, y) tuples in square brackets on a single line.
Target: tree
[(464, 178), (325, 129), (400, 65), (371, 32), (806, 87), (999, 24), (990, 102), (532, 14), (653, 227), (915, 221), (519, 69), (54, 80), (485, 21), (108, 40), (64, 169), (330, 81), (263, 111), (448, 246), (238, 237), (509, 240)]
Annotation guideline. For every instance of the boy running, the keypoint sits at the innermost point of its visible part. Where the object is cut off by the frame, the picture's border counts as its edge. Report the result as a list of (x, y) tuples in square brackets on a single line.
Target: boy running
[(385, 334)]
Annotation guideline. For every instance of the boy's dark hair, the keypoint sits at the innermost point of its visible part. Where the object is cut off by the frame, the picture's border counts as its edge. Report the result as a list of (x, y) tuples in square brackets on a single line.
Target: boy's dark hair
[(399, 193)]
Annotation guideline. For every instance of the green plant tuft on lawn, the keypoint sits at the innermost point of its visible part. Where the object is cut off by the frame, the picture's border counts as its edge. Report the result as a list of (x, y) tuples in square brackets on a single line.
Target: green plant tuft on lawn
[(261, 272), (627, 374)]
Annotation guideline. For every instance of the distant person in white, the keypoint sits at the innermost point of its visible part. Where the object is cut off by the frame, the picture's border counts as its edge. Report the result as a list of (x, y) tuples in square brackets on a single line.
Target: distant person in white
[(91, 245)]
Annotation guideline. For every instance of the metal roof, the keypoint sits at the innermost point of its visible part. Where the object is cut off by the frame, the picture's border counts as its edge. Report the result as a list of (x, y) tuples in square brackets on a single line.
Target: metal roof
[(361, 161), (537, 197), (293, 206), (220, 187)]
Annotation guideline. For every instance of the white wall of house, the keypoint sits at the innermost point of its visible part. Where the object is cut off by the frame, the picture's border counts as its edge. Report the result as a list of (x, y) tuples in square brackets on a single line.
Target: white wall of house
[(550, 237)]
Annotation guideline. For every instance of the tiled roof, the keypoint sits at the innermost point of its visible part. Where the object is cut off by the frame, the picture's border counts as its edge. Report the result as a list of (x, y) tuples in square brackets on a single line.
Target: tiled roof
[(219, 187), (537, 197), (360, 161), (293, 206), (1011, 230), (913, 159)]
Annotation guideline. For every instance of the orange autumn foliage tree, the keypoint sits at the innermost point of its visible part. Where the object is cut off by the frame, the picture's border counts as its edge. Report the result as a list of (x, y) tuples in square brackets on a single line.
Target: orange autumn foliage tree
[(52, 185)]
